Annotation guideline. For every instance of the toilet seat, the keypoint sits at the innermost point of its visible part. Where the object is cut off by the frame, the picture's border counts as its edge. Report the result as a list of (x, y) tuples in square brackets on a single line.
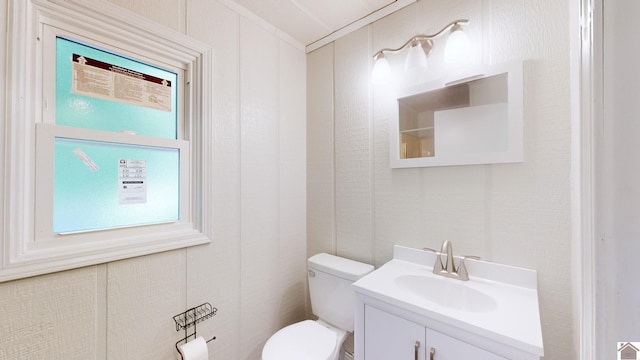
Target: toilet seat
[(306, 340)]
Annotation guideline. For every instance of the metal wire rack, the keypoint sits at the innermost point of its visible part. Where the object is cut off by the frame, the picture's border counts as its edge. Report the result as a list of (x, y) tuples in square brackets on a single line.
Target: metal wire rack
[(192, 317)]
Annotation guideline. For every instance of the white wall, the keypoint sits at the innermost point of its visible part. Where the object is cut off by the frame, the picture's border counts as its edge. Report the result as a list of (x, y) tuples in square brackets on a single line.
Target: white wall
[(518, 214), (253, 271), (618, 179)]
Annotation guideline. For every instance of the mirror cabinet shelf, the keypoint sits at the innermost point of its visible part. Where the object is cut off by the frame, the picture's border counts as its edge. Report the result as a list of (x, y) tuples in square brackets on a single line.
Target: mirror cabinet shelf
[(476, 120)]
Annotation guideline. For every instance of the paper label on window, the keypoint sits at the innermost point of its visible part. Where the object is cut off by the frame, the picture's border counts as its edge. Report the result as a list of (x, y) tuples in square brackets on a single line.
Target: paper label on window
[(105, 81), (132, 181)]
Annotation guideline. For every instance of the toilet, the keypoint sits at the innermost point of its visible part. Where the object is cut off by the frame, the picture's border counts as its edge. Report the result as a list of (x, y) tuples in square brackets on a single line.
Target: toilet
[(332, 301)]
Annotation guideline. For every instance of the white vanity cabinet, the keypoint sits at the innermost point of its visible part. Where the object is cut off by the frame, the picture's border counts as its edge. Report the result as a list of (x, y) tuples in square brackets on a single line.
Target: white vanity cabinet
[(388, 336), (494, 315)]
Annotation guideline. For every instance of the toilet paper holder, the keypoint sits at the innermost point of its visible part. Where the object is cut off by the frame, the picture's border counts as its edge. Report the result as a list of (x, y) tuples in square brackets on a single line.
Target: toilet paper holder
[(190, 318)]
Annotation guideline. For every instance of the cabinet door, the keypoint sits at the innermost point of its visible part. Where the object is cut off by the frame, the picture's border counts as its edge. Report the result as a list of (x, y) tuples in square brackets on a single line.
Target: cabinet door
[(388, 337), (442, 347)]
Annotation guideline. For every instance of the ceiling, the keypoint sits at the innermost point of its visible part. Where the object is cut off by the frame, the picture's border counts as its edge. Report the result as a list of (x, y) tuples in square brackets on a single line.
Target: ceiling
[(310, 20)]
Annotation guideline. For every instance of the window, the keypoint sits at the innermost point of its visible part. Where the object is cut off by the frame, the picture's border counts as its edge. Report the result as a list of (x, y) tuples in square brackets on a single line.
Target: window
[(107, 134)]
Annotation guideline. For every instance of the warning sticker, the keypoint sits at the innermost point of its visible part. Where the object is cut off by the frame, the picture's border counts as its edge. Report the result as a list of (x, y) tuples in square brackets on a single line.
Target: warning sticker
[(111, 82)]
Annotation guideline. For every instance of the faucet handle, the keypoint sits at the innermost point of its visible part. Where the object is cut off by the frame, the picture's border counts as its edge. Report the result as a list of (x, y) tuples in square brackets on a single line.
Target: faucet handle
[(463, 274), (437, 267)]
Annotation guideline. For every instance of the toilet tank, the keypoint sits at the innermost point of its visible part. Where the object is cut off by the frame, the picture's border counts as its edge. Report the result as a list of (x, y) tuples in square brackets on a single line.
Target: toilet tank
[(330, 279)]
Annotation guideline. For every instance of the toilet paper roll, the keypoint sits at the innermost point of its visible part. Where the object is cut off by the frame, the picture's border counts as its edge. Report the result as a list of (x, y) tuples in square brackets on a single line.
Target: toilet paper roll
[(195, 349)]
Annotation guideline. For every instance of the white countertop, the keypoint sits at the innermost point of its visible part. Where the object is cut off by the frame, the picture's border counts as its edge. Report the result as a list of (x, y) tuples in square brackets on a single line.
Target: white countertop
[(513, 317)]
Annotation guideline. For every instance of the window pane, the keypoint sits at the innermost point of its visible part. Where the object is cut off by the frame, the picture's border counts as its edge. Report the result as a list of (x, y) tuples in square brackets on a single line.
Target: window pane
[(100, 90), (100, 185)]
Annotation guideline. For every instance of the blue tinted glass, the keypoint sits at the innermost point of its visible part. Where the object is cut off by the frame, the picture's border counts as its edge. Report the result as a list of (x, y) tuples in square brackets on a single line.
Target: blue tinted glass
[(99, 90), (100, 185)]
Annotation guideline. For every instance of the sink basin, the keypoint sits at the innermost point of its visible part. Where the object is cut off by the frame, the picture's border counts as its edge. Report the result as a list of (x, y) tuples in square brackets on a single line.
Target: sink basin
[(448, 293)]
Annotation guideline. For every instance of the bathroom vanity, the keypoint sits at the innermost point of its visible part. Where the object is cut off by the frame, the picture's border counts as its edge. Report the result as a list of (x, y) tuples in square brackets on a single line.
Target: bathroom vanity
[(405, 311)]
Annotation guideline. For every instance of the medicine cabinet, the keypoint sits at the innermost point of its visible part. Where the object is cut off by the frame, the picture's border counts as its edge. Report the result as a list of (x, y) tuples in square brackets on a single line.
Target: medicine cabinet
[(474, 120)]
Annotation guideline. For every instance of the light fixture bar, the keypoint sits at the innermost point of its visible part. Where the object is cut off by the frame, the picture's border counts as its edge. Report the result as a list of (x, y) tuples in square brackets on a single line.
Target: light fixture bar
[(421, 47), (422, 38)]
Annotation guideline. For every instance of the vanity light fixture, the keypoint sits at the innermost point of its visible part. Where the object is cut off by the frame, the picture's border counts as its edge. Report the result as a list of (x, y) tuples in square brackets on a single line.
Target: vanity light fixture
[(420, 47)]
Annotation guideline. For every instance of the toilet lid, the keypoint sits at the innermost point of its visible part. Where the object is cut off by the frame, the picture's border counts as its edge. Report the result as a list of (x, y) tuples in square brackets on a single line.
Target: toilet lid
[(306, 340)]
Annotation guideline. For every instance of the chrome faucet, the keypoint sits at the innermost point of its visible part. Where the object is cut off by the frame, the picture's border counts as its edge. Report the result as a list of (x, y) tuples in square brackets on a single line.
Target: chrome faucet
[(449, 268)]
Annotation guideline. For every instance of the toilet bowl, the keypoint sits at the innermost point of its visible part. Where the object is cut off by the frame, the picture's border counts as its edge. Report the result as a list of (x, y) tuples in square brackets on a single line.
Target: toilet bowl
[(308, 340), (332, 300)]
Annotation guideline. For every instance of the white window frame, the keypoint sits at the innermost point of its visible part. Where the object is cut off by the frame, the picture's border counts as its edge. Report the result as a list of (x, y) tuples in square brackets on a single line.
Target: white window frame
[(29, 245)]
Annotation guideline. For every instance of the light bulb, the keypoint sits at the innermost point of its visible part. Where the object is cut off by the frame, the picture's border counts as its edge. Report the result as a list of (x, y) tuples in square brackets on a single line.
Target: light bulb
[(416, 58), (381, 72), (458, 48)]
